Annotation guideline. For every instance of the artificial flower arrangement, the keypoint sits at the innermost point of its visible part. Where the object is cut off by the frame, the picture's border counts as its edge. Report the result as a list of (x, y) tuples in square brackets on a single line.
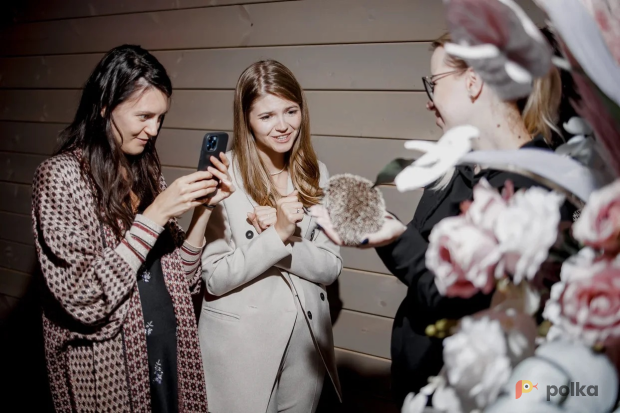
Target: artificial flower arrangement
[(514, 245)]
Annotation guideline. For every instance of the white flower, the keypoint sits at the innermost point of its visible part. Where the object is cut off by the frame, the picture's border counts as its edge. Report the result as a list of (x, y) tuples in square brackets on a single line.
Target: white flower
[(527, 229), (439, 158), (414, 403), (476, 360)]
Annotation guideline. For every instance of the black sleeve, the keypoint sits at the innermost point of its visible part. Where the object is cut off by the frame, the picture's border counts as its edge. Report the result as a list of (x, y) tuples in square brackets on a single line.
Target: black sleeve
[(405, 256)]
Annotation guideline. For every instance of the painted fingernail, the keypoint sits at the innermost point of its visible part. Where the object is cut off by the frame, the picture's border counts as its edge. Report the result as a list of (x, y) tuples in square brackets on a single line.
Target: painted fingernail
[(364, 242)]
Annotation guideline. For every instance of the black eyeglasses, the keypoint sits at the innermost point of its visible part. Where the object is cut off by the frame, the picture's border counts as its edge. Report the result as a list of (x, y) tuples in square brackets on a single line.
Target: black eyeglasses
[(431, 81)]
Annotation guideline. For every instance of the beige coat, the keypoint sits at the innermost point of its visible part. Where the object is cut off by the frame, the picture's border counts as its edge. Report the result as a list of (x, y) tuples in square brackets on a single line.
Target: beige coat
[(249, 311)]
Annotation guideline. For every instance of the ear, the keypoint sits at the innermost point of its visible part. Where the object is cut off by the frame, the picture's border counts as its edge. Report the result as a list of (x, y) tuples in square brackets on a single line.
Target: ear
[(474, 84), (102, 113)]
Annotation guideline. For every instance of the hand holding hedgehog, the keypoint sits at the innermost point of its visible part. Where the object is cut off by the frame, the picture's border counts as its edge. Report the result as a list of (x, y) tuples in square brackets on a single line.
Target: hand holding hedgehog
[(353, 213)]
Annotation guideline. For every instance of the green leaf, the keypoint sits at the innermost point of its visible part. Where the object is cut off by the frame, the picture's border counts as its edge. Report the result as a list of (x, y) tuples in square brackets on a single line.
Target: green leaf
[(389, 172)]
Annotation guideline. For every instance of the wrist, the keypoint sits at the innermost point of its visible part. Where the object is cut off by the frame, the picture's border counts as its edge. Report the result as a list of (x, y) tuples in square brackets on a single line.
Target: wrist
[(155, 215)]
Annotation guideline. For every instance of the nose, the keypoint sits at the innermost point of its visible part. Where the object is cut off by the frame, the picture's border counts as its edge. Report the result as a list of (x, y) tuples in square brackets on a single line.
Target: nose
[(152, 126), (281, 126)]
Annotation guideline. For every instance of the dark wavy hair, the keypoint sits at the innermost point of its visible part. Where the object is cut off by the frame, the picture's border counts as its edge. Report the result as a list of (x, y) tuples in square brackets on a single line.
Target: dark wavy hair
[(123, 72)]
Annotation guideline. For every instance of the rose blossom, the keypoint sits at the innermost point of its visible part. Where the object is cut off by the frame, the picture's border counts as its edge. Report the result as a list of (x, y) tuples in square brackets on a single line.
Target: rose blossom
[(476, 360), (598, 225), (585, 305), (488, 204), (527, 229), (463, 258)]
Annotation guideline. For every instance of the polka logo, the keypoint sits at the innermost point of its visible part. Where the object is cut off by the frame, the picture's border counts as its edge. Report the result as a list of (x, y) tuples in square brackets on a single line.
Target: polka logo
[(524, 386)]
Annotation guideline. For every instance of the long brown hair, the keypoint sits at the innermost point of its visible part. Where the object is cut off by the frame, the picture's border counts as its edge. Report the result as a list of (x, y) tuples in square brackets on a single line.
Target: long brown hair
[(260, 79), (121, 73)]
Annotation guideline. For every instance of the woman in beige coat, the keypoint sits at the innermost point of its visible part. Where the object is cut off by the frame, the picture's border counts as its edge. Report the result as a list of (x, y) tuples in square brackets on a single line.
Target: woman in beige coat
[(265, 329)]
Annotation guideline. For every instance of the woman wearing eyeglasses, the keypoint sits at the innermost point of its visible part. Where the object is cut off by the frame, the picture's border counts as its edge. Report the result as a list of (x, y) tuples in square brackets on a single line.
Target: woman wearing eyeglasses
[(265, 330), (457, 96)]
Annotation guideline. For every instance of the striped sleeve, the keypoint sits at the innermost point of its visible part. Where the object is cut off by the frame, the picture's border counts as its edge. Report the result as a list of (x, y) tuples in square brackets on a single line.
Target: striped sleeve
[(138, 241), (190, 255)]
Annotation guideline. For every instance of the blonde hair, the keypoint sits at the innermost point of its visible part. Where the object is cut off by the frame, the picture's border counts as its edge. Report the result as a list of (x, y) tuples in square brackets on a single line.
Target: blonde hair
[(539, 111), (260, 79)]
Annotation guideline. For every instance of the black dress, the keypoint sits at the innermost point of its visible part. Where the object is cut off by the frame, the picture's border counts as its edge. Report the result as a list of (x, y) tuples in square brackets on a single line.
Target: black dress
[(416, 356), (160, 328)]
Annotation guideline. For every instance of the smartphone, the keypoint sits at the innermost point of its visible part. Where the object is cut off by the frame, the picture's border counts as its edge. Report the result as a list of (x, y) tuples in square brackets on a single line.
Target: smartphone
[(212, 144)]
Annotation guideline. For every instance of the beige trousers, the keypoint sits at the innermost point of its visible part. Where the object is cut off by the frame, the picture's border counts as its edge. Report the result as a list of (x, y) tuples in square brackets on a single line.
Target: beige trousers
[(299, 383)]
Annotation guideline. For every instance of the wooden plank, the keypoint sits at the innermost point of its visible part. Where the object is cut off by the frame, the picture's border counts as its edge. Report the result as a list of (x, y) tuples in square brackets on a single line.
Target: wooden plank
[(7, 305), (18, 257), (17, 228), (15, 198), (398, 115), (302, 22), (364, 333), (38, 105), (398, 66), (36, 138), (39, 10), (13, 283), (370, 293), (19, 168)]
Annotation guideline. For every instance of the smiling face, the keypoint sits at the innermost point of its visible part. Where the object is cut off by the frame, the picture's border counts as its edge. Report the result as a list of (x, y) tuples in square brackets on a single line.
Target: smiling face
[(275, 123), (137, 120), (452, 103)]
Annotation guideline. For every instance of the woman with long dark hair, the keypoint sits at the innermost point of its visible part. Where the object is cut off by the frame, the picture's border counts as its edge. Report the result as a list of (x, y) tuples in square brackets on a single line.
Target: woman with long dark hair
[(118, 271)]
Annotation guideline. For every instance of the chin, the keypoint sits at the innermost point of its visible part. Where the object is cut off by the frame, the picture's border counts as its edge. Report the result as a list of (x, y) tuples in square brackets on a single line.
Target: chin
[(133, 151)]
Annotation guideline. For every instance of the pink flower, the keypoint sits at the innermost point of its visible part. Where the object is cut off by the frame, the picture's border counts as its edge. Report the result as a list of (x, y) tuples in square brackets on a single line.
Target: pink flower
[(598, 225), (488, 204), (463, 258), (585, 305)]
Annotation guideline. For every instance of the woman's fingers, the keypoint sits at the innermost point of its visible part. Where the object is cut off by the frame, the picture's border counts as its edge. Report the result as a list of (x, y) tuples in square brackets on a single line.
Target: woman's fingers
[(223, 177), (197, 186), (195, 177)]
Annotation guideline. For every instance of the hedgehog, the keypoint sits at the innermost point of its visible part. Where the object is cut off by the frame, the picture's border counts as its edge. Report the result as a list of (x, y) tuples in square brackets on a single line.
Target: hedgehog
[(355, 207)]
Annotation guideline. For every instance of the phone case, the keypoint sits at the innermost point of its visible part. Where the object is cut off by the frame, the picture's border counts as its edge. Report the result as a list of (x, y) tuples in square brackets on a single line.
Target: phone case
[(212, 144)]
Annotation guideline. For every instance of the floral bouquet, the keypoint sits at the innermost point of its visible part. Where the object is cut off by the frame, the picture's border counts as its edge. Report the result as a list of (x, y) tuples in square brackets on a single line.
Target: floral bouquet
[(515, 245)]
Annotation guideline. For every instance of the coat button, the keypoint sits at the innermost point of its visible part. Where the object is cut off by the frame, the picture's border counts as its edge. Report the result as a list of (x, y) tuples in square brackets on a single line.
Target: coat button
[(309, 315), (249, 235), (322, 297)]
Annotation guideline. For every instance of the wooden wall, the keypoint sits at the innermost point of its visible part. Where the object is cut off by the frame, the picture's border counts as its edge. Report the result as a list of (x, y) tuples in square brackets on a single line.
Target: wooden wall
[(360, 62)]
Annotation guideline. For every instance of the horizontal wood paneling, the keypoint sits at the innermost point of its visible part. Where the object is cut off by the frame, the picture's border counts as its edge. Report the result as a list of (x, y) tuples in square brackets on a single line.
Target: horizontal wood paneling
[(7, 304), (15, 198), (28, 137), (17, 167), (357, 114), (268, 24), (18, 257), (397, 66), (37, 10), (13, 283), (16, 227), (364, 333), (371, 293)]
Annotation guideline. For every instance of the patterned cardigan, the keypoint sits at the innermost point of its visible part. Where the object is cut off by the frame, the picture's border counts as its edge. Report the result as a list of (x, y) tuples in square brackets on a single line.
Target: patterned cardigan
[(95, 340)]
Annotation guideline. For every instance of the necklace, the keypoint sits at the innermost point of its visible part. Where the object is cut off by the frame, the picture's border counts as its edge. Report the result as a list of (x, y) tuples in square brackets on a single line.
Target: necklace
[(277, 173)]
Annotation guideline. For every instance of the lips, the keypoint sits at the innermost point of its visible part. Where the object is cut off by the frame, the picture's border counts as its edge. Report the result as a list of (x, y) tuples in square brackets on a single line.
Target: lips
[(143, 141), (282, 138)]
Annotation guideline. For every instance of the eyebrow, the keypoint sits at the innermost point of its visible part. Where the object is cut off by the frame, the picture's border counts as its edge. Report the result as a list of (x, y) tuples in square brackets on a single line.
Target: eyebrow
[(140, 113), (271, 112)]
